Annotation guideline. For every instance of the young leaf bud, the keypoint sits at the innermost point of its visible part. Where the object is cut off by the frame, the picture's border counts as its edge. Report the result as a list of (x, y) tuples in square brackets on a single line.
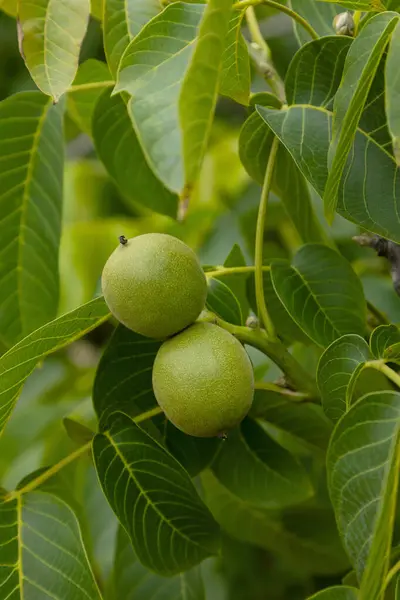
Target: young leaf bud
[(344, 24)]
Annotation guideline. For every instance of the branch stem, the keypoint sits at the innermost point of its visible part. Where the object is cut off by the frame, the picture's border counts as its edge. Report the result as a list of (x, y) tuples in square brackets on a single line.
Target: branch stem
[(379, 365), (282, 8), (262, 211), (43, 477), (223, 271)]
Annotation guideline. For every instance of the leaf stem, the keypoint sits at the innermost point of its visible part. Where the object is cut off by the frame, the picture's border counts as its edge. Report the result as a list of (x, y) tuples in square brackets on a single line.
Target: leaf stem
[(356, 18), (379, 365), (261, 54), (289, 394), (262, 211), (297, 377), (393, 571), (43, 477), (222, 271), (282, 8), (95, 85)]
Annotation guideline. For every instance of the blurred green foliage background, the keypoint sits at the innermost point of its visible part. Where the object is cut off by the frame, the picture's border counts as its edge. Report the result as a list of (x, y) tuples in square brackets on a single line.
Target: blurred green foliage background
[(222, 213)]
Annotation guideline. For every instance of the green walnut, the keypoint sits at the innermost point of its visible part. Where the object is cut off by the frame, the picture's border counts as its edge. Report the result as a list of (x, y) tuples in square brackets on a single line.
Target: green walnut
[(154, 285), (203, 380)]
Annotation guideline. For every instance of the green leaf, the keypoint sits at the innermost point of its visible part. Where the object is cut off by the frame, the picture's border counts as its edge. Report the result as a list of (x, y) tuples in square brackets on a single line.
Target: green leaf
[(19, 362), (123, 20), (315, 71), (123, 377), (385, 342), (173, 81), (305, 550), (263, 473), (363, 469), (283, 322), (361, 64), (119, 149), (132, 581), (223, 302), (392, 91), (77, 432), (320, 16), (194, 454), (235, 76), (364, 5), (9, 7), (152, 495), (342, 592), (338, 370), (31, 173), (305, 422), (367, 194), (90, 81), (321, 293), (254, 147), (42, 552), (237, 282), (51, 37), (96, 9)]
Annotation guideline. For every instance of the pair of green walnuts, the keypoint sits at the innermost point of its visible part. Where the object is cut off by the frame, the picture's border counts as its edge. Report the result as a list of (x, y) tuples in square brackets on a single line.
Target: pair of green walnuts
[(202, 376)]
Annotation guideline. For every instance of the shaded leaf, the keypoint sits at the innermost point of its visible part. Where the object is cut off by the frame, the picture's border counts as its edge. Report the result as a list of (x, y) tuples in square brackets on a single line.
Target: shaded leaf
[(360, 67), (223, 302), (306, 551), (365, 5), (319, 15), (51, 36), (90, 81), (123, 377), (321, 293), (385, 342), (370, 180), (263, 473), (31, 172), (77, 432), (121, 153), (235, 75), (363, 466), (131, 580), (42, 551), (123, 19), (152, 495), (305, 422), (315, 71), (237, 281), (342, 592), (392, 91), (19, 362), (338, 371), (194, 454), (172, 111)]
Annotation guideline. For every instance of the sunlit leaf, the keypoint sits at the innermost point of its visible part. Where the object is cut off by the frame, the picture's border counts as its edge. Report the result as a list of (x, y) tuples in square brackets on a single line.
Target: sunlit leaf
[(173, 81), (263, 473), (222, 301), (9, 7), (119, 149), (42, 552), (315, 71), (360, 67), (319, 15), (152, 495), (31, 172), (336, 593), (51, 36), (131, 580), (321, 293), (90, 81), (235, 76), (392, 91), (363, 467), (368, 190), (19, 362), (123, 19), (338, 370), (385, 342)]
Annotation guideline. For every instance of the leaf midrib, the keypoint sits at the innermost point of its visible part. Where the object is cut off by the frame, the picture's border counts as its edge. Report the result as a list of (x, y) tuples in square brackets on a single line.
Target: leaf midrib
[(107, 434)]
